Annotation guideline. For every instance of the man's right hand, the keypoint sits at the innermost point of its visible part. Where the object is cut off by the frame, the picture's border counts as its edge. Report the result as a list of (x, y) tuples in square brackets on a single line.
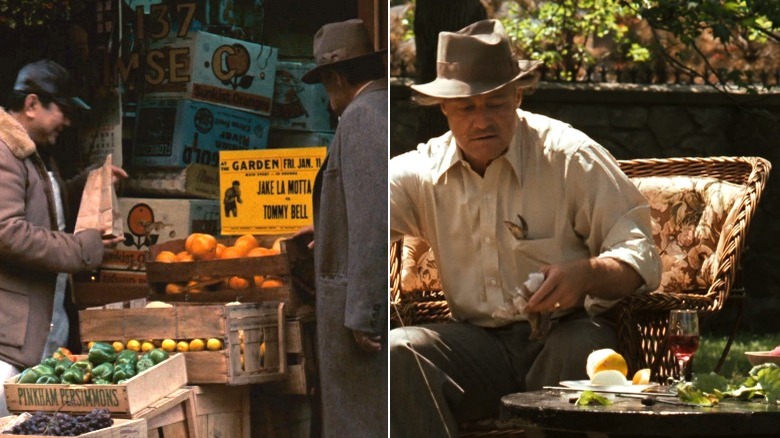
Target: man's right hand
[(308, 229)]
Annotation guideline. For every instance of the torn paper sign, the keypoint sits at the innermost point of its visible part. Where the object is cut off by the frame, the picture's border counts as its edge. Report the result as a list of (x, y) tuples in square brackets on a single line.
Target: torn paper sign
[(514, 308), (99, 207)]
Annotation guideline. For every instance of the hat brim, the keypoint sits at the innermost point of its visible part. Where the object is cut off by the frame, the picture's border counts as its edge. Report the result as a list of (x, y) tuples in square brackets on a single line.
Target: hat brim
[(455, 88), (313, 76), (72, 103)]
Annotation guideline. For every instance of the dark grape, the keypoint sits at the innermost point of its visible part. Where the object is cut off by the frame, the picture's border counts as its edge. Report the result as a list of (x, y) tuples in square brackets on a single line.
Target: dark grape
[(60, 424)]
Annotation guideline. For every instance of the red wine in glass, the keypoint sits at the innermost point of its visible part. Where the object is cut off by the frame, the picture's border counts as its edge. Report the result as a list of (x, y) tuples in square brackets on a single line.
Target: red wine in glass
[(683, 346), (683, 340)]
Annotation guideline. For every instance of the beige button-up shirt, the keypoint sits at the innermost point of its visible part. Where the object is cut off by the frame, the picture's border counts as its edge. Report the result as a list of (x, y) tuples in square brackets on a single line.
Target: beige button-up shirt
[(569, 191)]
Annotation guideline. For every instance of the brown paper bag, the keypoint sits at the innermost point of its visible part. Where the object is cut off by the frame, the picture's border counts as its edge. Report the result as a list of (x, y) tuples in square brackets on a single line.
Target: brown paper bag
[(99, 205)]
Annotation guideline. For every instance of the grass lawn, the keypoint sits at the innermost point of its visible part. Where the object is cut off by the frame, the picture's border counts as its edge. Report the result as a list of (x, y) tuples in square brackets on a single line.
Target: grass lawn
[(736, 363)]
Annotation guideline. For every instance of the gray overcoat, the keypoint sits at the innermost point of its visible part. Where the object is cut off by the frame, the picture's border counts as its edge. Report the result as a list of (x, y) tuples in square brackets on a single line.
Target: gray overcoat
[(351, 260)]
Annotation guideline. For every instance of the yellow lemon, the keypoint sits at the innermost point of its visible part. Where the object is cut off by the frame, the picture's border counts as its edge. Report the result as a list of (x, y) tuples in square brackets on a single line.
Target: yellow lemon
[(147, 346), (608, 378), (605, 359), (213, 344), (182, 346), (168, 345), (197, 345), (134, 345), (641, 377), (118, 346)]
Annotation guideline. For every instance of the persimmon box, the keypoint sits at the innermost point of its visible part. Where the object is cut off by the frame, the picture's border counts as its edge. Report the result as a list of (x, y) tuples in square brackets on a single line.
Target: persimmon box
[(215, 69), (149, 221)]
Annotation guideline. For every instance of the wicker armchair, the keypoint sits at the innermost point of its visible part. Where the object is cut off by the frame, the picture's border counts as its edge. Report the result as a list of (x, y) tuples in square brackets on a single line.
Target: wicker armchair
[(642, 318)]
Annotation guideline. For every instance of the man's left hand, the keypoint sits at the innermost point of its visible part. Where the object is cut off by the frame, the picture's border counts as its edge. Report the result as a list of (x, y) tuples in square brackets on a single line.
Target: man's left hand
[(117, 174), (367, 342)]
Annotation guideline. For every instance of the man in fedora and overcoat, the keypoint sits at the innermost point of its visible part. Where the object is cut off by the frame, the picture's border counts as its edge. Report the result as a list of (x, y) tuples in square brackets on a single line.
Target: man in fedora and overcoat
[(350, 234), (513, 204)]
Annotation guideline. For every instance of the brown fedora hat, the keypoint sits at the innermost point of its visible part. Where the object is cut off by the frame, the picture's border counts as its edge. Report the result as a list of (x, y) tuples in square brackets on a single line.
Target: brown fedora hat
[(477, 60), (335, 43)]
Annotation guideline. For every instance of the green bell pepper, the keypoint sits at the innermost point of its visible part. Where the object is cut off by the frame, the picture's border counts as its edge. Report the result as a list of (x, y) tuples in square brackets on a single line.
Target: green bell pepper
[(101, 382), (47, 379), (50, 361), (43, 369), (158, 355), (127, 356), (144, 363), (74, 375), (123, 372), (62, 365), (104, 371), (29, 375), (86, 369), (101, 352)]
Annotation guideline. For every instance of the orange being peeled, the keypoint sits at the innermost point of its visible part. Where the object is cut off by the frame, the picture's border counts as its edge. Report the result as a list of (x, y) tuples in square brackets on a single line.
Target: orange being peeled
[(605, 359), (641, 377)]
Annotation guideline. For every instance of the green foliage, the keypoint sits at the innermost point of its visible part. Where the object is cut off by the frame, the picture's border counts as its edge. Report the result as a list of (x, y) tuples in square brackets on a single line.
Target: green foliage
[(33, 13), (736, 365), (706, 390), (560, 32), (739, 26)]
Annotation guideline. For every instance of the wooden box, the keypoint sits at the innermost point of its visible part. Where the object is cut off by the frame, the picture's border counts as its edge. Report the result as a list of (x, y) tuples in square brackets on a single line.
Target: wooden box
[(120, 429), (301, 376), (295, 264), (122, 400), (245, 330)]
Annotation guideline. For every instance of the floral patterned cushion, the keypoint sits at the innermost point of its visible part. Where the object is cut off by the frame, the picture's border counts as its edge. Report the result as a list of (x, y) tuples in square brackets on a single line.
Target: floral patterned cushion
[(688, 215)]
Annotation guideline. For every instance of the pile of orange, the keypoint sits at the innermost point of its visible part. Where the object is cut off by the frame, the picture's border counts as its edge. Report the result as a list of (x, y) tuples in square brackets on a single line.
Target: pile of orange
[(202, 246)]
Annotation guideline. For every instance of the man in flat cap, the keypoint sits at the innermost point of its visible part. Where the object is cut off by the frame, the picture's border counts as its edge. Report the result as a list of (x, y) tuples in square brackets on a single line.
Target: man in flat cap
[(536, 233), (37, 253), (350, 234)]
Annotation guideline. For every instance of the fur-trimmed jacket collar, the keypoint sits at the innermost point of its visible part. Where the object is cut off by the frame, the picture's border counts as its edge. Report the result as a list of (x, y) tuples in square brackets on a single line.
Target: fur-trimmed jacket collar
[(15, 136)]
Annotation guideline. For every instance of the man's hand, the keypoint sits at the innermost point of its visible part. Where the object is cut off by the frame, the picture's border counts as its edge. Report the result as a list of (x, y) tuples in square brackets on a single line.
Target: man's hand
[(308, 229), (112, 242), (565, 285), (367, 341), (117, 174)]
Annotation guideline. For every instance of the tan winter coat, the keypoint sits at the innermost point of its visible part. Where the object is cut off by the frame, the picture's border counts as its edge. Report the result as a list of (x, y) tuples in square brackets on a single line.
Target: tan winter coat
[(32, 252)]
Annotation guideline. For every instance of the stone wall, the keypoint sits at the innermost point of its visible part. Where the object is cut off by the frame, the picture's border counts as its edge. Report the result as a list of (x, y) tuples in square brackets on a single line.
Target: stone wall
[(651, 121)]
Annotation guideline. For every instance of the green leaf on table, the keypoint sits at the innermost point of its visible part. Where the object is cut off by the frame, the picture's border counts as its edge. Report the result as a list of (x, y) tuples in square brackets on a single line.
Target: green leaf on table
[(769, 379), (689, 394), (710, 383), (588, 398)]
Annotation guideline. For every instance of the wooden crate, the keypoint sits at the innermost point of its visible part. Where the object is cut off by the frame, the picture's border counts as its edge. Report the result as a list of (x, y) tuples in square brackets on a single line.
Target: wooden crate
[(295, 265), (301, 376), (221, 411), (120, 429), (243, 328), (122, 400)]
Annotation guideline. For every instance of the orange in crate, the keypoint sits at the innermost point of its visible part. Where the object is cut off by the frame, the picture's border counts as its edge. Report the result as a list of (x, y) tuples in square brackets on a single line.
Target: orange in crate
[(203, 247), (246, 243)]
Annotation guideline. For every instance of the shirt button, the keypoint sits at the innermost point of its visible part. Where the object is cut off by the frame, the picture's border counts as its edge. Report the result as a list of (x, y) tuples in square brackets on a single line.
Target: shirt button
[(489, 196), (488, 239), (492, 281)]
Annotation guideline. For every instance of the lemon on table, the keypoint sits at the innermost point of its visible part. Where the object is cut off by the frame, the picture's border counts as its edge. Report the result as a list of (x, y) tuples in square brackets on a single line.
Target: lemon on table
[(606, 359), (147, 346), (213, 344), (641, 377), (168, 345), (134, 345), (182, 346), (118, 346), (197, 345)]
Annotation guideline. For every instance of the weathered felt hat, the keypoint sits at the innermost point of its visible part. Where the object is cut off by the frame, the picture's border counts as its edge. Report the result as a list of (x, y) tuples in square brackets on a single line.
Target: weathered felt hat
[(477, 60), (336, 43), (46, 77)]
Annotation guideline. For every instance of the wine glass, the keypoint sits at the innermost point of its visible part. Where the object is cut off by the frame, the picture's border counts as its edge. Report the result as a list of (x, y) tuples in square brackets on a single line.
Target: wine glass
[(683, 338)]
